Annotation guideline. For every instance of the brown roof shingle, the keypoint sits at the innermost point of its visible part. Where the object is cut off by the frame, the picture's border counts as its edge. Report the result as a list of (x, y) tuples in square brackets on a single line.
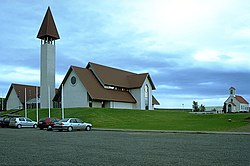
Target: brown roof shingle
[(241, 99), (96, 91), (20, 91), (119, 78)]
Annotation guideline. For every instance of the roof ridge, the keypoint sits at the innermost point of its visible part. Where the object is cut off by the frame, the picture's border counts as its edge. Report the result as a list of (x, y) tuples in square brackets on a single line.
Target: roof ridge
[(118, 69), (15, 84)]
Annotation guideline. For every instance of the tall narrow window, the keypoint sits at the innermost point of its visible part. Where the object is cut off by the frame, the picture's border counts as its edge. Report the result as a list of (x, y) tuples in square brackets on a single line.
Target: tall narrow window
[(146, 97)]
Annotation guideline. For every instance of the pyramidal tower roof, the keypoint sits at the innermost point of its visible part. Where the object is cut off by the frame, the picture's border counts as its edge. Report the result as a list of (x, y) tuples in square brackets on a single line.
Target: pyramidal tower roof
[(48, 27)]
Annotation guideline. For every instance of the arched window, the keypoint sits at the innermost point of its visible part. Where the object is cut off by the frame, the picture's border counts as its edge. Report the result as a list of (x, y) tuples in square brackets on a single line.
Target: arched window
[(146, 95)]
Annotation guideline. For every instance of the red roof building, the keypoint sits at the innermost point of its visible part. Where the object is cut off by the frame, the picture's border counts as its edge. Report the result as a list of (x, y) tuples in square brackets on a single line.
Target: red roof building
[(236, 103)]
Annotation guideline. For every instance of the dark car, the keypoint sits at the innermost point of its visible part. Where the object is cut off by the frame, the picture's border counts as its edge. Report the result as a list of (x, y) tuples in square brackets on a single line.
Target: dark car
[(47, 123), (5, 121), (2, 121)]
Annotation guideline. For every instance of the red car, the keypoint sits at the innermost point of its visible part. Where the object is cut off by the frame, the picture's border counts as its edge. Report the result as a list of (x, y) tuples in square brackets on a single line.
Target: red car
[(47, 123)]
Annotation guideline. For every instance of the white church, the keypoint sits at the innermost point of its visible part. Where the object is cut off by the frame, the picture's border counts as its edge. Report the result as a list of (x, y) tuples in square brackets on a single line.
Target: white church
[(95, 85), (235, 103)]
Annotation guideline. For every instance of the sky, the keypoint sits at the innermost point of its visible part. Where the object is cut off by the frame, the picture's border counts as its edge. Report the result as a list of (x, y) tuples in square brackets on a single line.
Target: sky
[(193, 50)]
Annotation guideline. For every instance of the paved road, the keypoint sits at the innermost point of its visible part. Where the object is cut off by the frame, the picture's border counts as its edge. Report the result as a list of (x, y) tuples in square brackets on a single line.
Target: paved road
[(35, 147)]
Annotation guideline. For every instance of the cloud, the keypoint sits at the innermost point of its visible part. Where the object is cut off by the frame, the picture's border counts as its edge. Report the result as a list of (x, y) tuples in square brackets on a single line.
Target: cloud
[(160, 87), (216, 58), (192, 49), (19, 74)]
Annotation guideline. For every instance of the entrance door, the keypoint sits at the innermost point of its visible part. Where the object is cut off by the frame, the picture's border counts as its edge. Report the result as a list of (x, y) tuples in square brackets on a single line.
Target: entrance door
[(229, 108)]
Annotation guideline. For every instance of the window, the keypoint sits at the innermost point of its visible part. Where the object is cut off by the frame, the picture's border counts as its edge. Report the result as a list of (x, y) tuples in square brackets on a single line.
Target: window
[(73, 80), (21, 119), (28, 120), (146, 95), (73, 121), (79, 121)]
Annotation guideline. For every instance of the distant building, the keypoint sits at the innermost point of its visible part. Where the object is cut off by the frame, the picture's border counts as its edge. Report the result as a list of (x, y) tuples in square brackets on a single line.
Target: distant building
[(214, 109), (236, 103), (15, 98)]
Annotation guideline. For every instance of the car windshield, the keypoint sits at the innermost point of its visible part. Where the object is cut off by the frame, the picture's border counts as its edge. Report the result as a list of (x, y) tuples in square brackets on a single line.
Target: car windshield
[(64, 120), (54, 120), (42, 120)]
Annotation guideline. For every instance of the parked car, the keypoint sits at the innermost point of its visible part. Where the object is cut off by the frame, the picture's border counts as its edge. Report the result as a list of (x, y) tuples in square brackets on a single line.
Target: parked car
[(4, 121), (70, 124), (47, 123), (22, 122), (2, 124)]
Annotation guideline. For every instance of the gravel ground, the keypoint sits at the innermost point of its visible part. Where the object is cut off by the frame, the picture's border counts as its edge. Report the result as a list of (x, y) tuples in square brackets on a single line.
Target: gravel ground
[(35, 147)]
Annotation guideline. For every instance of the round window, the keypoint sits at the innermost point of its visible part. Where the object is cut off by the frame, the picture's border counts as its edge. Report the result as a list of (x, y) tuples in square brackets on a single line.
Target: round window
[(73, 80)]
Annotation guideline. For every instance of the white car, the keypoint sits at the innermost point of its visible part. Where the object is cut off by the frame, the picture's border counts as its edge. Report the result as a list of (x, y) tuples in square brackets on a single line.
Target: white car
[(70, 124), (22, 122)]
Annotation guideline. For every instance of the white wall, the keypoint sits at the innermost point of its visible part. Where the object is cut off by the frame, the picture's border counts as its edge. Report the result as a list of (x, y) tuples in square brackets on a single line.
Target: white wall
[(244, 107), (150, 94), (47, 71), (139, 93), (136, 93), (13, 101), (122, 105), (236, 102), (75, 95), (96, 104)]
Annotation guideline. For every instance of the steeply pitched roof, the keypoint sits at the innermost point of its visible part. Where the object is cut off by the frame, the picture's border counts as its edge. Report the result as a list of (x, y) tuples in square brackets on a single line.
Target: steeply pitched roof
[(97, 92), (154, 101), (20, 91), (95, 89), (119, 78), (241, 99), (48, 27)]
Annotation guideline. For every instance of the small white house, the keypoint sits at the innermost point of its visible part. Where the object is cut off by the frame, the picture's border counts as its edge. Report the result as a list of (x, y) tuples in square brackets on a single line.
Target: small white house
[(236, 103)]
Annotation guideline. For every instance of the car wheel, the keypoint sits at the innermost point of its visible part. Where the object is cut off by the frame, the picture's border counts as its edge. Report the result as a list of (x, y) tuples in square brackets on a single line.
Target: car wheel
[(35, 125), (19, 126), (49, 128), (88, 128), (41, 128), (70, 128)]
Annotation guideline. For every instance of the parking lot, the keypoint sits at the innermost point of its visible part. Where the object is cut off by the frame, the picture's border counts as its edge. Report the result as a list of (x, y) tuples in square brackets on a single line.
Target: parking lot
[(41, 147)]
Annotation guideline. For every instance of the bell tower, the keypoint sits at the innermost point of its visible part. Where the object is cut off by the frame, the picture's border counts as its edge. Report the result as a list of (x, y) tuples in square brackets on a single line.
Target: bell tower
[(232, 91), (48, 34)]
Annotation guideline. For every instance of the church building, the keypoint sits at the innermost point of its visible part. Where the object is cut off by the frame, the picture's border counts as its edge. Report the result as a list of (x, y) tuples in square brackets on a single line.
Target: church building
[(94, 86), (102, 86), (236, 103)]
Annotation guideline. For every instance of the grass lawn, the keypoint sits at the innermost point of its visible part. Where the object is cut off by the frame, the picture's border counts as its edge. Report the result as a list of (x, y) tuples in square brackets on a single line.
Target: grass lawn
[(150, 120)]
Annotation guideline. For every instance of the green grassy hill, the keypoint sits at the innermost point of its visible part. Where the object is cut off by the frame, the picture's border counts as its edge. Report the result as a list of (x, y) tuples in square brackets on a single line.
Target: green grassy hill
[(150, 120)]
